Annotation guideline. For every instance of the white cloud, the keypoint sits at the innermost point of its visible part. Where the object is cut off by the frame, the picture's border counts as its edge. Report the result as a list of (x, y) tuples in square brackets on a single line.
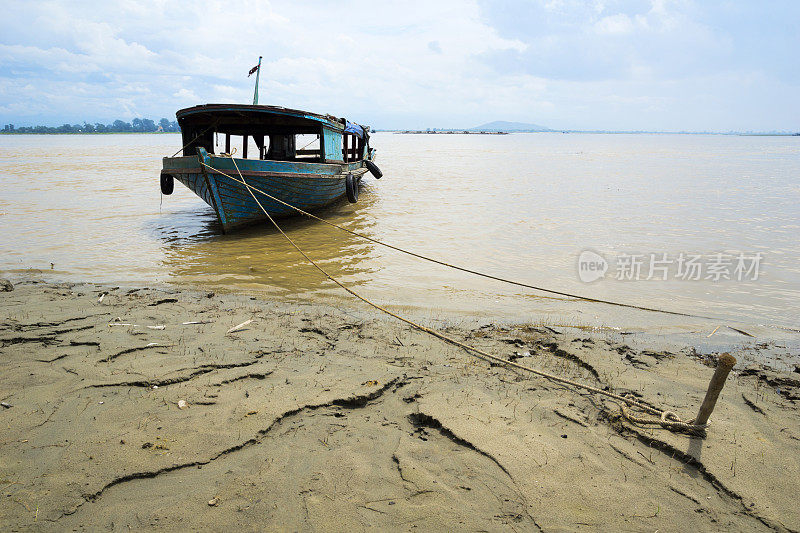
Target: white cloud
[(409, 64), (185, 94), (615, 24)]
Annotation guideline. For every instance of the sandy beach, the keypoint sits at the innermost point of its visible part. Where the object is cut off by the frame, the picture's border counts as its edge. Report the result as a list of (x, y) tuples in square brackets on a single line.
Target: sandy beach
[(132, 407), (452, 266)]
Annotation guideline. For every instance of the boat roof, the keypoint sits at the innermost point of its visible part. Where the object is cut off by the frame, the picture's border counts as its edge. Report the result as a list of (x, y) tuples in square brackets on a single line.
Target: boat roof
[(243, 115)]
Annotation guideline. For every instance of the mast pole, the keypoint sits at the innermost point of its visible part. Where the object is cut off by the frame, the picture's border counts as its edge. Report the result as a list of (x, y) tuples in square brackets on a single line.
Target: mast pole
[(258, 73)]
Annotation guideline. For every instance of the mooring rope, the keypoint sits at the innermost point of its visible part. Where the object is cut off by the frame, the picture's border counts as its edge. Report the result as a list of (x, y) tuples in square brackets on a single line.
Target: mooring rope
[(667, 419), (456, 267), (196, 137), (310, 143)]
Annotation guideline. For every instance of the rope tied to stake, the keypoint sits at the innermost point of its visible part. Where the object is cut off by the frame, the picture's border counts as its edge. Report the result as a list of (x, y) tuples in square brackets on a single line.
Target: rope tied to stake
[(666, 419)]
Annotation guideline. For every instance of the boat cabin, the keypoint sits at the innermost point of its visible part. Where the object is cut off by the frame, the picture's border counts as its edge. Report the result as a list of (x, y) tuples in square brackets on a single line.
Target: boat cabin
[(271, 133)]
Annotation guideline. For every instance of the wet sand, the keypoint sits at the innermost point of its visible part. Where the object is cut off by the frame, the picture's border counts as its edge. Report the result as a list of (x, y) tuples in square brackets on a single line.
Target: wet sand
[(332, 418)]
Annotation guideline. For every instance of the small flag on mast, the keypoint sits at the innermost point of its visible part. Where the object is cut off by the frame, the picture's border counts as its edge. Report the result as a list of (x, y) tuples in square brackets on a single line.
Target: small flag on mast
[(257, 70)]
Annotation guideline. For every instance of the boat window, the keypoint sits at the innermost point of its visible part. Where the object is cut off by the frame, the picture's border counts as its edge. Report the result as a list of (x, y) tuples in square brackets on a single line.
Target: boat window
[(242, 146), (352, 147), (281, 148), (275, 145), (308, 148)]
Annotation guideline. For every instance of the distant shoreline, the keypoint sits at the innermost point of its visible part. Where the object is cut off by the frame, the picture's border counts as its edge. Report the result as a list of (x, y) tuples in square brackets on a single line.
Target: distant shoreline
[(591, 132), (445, 132), (90, 133), (463, 132)]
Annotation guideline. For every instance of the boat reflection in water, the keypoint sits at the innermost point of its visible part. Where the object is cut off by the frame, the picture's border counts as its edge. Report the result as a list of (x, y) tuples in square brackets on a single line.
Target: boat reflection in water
[(260, 258)]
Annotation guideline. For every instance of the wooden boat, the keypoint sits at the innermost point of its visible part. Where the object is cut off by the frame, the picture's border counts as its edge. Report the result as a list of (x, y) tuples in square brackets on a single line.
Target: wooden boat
[(307, 178)]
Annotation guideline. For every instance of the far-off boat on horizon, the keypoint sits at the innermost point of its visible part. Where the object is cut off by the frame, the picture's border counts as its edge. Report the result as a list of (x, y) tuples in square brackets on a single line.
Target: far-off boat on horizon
[(307, 178)]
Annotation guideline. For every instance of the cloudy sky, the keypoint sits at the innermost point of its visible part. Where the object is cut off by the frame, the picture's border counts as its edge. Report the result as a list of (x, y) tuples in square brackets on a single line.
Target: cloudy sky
[(567, 64)]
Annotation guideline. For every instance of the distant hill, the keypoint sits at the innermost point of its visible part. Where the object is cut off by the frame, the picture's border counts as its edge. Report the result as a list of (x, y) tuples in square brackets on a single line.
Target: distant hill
[(502, 125)]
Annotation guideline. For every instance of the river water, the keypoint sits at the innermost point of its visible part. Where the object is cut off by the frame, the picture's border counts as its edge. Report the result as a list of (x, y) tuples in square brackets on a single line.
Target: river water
[(521, 206)]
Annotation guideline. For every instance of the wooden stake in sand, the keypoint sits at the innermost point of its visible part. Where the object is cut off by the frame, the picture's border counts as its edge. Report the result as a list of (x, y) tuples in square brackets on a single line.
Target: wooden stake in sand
[(726, 362)]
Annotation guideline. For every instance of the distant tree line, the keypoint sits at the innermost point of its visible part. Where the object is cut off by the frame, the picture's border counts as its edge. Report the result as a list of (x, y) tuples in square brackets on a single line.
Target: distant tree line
[(137, 125)]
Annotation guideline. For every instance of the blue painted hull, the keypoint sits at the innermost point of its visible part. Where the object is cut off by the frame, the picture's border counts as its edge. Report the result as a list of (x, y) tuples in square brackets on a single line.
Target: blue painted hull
[(307, 186)]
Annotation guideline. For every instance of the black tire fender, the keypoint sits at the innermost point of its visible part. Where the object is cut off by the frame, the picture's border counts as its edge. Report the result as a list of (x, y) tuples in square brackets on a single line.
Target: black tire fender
[(351, 188), (167, 184), (373, 169)]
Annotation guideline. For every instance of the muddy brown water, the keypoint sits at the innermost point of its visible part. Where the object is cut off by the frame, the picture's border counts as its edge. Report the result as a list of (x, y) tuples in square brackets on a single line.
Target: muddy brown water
[(522, 206)]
